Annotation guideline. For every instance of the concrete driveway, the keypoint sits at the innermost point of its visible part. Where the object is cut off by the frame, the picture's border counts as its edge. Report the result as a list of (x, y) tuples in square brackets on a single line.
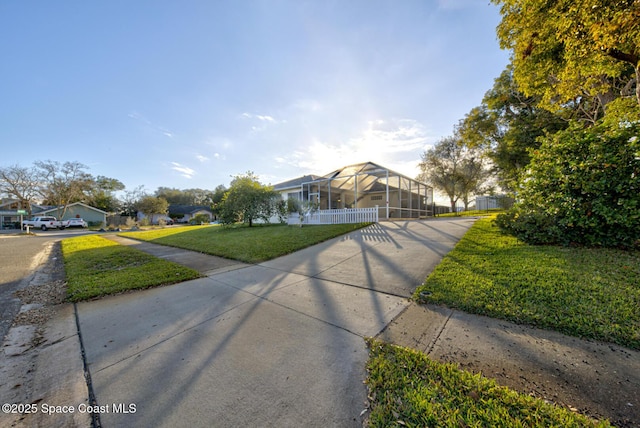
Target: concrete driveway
[(275, 344)]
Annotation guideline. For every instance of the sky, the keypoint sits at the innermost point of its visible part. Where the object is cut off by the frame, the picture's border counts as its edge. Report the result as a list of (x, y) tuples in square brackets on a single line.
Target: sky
[(187, 94)]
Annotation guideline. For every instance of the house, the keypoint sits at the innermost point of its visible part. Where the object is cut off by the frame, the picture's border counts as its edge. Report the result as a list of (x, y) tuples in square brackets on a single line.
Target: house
[(12, 211), (184, 213), (155, 218), (363, 185), (93, 216)]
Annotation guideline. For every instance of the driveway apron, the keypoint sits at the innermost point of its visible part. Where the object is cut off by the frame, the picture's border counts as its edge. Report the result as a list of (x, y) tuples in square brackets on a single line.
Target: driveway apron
[(275, 344)]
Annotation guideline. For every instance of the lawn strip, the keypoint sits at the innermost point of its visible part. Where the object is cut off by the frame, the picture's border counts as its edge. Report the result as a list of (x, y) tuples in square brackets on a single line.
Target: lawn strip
[(406, 388), (583, 292), (96, 266), (247, 244)]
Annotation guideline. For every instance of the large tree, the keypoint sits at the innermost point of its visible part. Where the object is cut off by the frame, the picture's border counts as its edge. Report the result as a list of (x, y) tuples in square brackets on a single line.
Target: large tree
[(565, 51), (63, 184), (459, 171), (101, 195), (150, 205), (21, 183), (248, 200), (130, 200), (186, 197), (508, 125)]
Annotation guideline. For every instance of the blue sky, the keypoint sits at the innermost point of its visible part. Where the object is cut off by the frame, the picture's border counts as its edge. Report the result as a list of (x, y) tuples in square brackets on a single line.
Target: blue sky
[(188, 93)]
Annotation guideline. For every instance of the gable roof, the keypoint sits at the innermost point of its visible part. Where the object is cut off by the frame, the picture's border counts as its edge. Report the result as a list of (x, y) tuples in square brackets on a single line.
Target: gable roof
[(296, 182), (54, 208)]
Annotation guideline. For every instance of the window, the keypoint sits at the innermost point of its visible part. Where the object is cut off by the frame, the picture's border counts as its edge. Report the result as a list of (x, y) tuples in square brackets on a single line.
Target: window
[(376, 197)]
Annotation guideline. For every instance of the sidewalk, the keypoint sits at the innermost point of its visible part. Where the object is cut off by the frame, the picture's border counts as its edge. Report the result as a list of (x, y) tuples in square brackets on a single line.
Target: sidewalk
[(281, 343), (275, 344)]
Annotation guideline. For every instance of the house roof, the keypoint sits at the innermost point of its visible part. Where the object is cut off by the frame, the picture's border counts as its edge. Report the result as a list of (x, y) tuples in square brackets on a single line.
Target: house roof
[(187, 209), (9, 201), (296, 182), (53, 208)]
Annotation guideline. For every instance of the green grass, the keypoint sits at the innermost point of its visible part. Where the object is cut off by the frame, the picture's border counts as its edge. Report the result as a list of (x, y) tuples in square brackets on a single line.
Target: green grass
[(96, 266), (409, 389), (248, 244), (583, 292)]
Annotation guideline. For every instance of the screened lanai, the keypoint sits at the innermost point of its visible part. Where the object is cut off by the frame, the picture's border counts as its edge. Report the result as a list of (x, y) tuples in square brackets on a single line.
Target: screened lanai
[(368, 185)]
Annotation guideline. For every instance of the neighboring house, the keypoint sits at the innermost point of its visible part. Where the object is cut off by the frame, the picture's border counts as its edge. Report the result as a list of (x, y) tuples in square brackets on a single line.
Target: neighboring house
[(76, 210), (184, 213), (364, 185), (155, 218), (9, 215)]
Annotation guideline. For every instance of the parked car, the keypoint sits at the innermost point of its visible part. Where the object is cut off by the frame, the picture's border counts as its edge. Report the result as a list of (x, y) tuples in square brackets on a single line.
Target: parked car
[(75, 222), (43, 223)]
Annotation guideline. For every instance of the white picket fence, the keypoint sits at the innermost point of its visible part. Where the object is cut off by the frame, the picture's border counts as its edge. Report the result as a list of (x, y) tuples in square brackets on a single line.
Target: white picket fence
[(341, 216)]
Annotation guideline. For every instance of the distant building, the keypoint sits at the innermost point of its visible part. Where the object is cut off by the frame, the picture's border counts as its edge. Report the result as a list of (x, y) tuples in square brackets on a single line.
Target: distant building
[(484, 203), (184, 213)]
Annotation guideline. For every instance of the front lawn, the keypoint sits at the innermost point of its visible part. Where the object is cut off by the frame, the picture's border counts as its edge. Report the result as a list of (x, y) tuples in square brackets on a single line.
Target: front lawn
[(409, 389), (584, 292), (248, 244), (96, 266)]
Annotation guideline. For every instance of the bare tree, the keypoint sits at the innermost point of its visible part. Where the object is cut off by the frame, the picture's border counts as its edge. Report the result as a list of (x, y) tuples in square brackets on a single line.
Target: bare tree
[(63, 184), (21, 183), (130, 200)]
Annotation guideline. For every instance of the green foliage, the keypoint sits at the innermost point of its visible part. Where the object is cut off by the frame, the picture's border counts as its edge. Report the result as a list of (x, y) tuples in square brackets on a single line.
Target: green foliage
[(455, 168), (407, 388), (96, 266), (565, 51), (583, 187), (583, 292), (200, 219), (150, 205), (248, 200), (508, 125)]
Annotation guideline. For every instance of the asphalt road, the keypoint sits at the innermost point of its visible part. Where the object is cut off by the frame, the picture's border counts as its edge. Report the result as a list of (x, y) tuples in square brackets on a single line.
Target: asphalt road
[(20, 255)]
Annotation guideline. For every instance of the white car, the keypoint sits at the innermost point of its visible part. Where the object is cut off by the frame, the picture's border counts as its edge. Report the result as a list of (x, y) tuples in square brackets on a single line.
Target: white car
[(75, 222)]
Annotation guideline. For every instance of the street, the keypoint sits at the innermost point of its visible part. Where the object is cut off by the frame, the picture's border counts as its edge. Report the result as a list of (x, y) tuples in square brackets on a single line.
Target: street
[(21, 255)]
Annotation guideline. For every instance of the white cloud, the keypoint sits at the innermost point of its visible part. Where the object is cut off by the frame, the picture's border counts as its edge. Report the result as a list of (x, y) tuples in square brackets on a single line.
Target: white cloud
[(265, 118), (202, 158), (261, 120), (396, 144), (185, 171), (137, 116), (260, 117)]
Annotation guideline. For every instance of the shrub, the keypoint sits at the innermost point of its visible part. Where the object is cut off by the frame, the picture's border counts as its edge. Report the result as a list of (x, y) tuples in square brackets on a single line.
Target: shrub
[(200, 219), (582, 187)]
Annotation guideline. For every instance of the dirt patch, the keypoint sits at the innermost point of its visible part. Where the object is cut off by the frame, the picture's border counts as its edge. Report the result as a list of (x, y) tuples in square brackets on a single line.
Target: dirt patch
[(47, 290)]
